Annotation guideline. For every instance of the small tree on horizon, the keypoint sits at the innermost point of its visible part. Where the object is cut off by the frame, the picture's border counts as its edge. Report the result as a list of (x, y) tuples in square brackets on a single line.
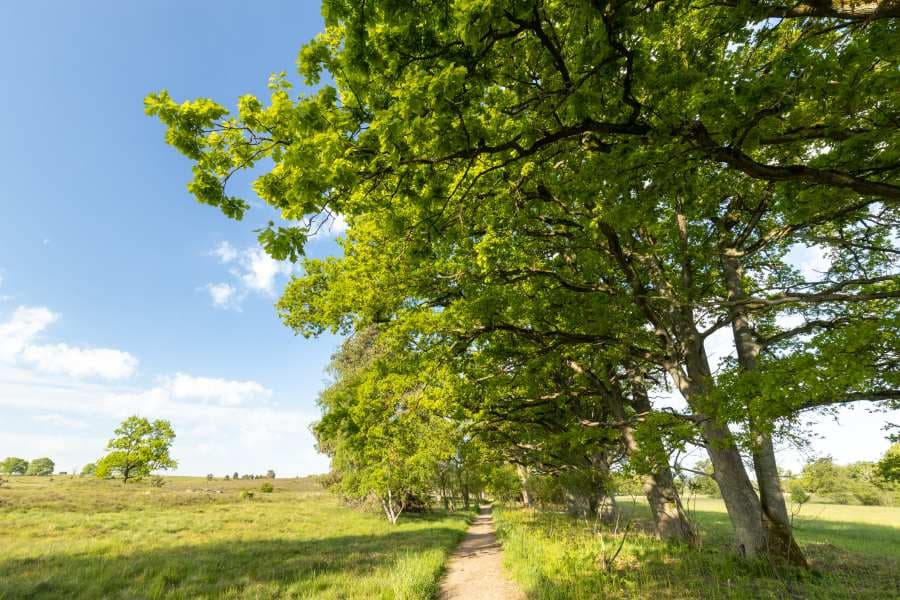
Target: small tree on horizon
[(40, 466), (270, 474), (13, 465), (139, 448)]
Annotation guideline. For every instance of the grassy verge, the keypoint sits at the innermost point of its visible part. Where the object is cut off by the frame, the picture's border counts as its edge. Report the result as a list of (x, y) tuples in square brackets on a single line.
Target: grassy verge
[(85, 538), (854, 552)]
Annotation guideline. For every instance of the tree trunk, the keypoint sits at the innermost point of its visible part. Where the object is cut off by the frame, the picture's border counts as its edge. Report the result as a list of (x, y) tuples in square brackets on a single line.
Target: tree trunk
[(669, 517), (522, 472), (774, 507), (741, 502)]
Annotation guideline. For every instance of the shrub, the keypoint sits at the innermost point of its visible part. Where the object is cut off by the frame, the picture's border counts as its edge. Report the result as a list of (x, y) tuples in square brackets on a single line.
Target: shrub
[(799, 495), (157, 481), (869, 497), (246, 495), (227, 477), (270, 474), (267, 488), (841, 497)]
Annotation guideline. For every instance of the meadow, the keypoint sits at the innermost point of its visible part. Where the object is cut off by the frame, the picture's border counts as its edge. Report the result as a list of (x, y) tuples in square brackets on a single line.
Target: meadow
[(87, 538), (854, 552)]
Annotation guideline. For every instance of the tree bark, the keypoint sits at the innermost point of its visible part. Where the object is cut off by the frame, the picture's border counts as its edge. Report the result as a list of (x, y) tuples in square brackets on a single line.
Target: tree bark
[(669, 518), (741, 502), (773, 505), (522, 472)]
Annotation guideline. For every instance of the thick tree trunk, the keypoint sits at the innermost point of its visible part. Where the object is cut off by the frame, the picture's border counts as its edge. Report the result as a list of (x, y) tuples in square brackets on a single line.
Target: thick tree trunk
[(741, 502), (774, 507), (669, 518)]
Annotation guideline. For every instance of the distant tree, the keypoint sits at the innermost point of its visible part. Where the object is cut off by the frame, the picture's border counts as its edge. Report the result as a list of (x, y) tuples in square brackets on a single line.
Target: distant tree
[(889, 465), (703, 483), (139, 448), (88, 469), (227, 477), (13, 465), (235, 476), (270, 474), (822, 476), (210, 476), (40, 466)]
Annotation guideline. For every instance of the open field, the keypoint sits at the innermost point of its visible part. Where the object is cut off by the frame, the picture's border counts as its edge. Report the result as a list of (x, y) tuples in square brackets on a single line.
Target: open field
[(87, 538), (854, 552)]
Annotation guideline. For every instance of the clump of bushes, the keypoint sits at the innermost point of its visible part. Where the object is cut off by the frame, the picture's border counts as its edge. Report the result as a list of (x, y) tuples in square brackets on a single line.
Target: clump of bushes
[(267, 488), (246, 495)]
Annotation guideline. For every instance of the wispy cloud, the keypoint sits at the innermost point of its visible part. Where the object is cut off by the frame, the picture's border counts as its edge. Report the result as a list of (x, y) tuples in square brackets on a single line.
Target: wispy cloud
[(253, 272), (18, 345), (63, 359), (223, 295)]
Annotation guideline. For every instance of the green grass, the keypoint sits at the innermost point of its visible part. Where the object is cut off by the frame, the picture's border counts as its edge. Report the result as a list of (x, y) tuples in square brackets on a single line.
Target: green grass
[(854, 552), (86, 538)]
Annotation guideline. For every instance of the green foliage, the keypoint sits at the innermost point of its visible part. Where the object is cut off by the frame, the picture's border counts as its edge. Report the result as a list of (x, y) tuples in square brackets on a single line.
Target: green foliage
[(703, 484), (552, 205), (267, 488), (139, 448), (246, 495), (40, 466), (889, 465), (13, 465), (799, 496), (88, 469)]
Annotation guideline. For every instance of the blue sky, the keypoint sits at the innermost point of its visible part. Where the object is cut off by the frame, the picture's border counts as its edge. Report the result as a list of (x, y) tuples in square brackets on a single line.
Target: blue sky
[(118, 293), (99, 231)]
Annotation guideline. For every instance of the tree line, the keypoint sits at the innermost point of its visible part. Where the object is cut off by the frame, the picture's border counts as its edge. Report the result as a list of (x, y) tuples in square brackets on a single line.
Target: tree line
[(13, 465), (553, 206)]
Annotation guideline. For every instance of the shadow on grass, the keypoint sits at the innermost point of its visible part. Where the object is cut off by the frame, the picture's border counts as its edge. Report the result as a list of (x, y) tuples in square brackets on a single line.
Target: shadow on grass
[(222, 568), (566, 561)]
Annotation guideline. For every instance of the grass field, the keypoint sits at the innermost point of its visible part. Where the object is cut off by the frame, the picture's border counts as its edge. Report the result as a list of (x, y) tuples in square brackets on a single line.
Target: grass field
[(87, 538), (854, 552)]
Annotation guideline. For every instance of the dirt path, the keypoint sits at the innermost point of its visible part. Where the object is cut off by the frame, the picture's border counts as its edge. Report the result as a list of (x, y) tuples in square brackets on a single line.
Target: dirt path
[(475, 571)]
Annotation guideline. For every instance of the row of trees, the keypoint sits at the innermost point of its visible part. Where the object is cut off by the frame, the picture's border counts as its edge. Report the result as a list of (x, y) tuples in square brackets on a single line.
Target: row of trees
[(553, 206), (865, 482), (13, 465)]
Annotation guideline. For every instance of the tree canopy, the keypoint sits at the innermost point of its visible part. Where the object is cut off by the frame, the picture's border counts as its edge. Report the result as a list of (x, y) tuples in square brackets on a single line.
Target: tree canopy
[(138, 448), (553, 204)]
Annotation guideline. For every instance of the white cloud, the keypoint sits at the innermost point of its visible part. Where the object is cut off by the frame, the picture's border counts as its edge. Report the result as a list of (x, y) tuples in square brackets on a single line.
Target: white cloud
[(223, 295), (24, 324), (225, 252), (259, 270), (334, 226), (17, 345), (80, 362), (254, 272), (58, 420), (222, 391), (813, 261)]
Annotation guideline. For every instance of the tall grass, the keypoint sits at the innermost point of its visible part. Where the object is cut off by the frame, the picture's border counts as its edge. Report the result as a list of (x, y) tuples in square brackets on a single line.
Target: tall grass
[(556, 557), (83, 538)]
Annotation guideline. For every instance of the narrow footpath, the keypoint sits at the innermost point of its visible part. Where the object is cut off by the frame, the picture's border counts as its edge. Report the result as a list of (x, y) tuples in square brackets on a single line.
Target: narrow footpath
[(475, 571)]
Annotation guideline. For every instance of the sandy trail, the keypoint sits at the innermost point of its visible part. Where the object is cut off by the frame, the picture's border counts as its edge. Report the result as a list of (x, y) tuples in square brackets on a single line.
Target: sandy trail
[(475, 571)]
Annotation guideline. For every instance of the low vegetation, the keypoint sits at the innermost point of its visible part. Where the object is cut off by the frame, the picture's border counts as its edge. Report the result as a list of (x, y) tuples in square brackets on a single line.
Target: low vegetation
[(92, 538), (853, 551)]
